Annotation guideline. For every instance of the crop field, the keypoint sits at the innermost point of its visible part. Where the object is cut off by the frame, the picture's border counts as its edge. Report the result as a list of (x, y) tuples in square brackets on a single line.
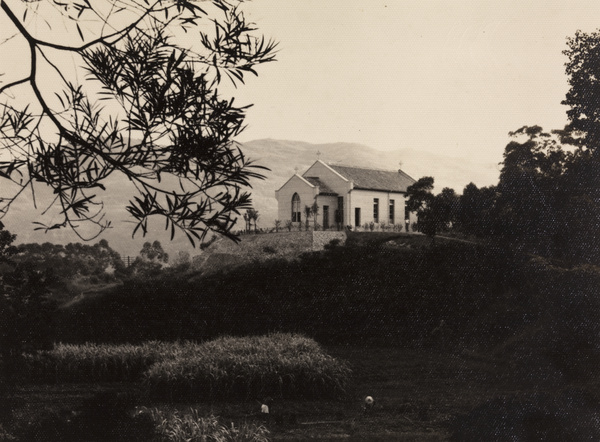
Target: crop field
[(419, 395), (281, 365), (284, 365)]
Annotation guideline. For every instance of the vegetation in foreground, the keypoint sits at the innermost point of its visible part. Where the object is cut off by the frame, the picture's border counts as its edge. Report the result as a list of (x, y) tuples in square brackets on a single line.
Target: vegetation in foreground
[(419, 395), (489, 325), (278, 365), (281, 365), (191, 426)]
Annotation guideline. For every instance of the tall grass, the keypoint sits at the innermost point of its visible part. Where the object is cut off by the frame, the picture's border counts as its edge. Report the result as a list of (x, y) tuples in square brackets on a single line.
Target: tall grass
[(96, 362), (192, 427), (281, 365)]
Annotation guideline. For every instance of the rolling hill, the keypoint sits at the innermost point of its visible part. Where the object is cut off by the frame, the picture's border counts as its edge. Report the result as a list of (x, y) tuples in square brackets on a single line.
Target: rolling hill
[(282, 157)]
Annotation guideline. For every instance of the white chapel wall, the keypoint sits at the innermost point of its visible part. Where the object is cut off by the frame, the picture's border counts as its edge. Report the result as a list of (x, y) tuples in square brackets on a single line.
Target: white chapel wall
[(364, 199), (285, 194)]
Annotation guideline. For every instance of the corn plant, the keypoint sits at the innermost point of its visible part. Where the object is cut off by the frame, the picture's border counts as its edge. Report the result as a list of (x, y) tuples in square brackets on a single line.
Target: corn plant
[(192, 427), (95, 362), (280, 365)]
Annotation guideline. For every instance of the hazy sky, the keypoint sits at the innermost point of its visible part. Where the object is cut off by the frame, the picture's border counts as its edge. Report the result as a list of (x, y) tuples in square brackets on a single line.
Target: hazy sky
[(448, 76), (451, 77)]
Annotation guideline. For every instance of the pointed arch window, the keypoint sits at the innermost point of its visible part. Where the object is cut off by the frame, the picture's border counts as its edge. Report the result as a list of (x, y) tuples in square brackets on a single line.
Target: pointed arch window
[(296, 212)]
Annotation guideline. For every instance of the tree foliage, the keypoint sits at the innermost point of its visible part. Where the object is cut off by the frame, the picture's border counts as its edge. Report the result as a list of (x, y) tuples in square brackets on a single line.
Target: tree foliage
[(150, 262), (25, 313), (251, 216), (6, 241), (435, 212), (141, 103), (547, 200), (66, 262), (583, 97), (154, 252), (475, 210), (419, 194), (528, 199)]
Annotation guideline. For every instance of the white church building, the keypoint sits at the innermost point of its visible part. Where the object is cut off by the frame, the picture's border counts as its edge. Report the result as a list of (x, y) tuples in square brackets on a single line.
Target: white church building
[(346, 196)]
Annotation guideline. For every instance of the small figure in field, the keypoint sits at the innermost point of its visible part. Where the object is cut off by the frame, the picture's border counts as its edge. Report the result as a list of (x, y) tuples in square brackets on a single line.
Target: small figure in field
[(369, 402), (265, 408)]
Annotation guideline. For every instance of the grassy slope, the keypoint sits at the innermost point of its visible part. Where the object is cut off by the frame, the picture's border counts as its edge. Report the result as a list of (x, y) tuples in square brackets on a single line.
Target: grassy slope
[(522, 333), (224, 254), (381, 285)]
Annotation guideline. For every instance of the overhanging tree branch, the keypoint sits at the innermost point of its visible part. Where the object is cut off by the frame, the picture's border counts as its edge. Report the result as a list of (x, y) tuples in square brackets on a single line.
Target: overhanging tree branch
[(170, 121)]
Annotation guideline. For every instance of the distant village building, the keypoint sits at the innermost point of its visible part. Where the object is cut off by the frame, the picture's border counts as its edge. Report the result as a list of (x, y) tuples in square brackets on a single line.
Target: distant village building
[(346, 196)]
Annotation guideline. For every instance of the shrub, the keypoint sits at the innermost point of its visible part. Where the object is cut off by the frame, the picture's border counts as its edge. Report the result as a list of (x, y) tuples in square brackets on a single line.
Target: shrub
[(5, 435), (332, 244), (269, 250)]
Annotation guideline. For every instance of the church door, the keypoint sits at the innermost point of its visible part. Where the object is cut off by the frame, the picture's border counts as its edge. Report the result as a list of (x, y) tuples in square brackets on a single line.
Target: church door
[(357, 216), (325, 217)]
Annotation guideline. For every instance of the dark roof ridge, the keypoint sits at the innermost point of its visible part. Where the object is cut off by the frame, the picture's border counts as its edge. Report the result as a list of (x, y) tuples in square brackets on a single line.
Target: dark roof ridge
[(375, 179), (372, 168), (362, 167)]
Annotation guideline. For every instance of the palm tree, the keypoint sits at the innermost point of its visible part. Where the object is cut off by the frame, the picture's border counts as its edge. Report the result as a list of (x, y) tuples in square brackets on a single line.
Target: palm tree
[(253, 216), (314, 209), (307, 213), (247, 219)]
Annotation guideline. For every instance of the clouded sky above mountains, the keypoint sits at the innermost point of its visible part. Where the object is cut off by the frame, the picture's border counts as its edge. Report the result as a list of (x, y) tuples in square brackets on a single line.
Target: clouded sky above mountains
[(451, 77)]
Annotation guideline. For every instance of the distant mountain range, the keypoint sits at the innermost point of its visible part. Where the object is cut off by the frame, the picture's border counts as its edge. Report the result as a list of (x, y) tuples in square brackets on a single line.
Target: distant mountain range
[(283, 158)]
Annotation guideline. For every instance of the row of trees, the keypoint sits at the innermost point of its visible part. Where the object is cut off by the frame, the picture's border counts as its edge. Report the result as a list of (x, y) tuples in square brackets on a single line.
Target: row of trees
[(547, 200), (68, 261)]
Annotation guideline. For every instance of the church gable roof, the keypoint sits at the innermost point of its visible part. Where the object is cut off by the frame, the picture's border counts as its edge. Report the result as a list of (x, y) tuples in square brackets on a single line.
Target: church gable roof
[(324, 189), (375, 179), (296, 177)]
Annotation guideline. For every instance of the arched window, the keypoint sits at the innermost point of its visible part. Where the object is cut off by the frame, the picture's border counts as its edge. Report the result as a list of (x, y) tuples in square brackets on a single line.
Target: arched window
[(296, 208)]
